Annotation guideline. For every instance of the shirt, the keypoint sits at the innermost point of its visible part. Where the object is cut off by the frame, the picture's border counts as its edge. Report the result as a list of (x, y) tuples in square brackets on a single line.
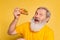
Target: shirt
[(44, 34)]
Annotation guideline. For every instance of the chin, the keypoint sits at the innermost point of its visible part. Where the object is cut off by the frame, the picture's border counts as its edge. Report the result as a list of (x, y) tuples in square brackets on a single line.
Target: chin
[(35, 26)]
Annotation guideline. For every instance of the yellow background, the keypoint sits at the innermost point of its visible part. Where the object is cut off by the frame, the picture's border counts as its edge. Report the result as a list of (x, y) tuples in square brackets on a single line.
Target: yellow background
[(6, 15)]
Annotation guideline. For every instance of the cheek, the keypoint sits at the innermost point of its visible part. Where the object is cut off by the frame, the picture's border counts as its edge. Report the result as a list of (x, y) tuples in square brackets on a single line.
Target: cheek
[(42, 18), (33, 16)]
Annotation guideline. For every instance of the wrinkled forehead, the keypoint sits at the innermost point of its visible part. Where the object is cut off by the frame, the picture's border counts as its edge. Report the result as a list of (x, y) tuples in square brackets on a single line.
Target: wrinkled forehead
[(41, 11)]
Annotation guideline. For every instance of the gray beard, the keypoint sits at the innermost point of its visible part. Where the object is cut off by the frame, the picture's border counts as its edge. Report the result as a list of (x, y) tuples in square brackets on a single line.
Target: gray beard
[(35, 27)]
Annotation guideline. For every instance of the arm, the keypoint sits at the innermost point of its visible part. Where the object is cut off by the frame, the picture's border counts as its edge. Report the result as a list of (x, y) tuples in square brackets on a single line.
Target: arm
[(12, 26)]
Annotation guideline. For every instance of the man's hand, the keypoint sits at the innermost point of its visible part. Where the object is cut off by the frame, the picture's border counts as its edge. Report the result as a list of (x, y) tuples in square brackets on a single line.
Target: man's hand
[(16, 13), (21, 39)]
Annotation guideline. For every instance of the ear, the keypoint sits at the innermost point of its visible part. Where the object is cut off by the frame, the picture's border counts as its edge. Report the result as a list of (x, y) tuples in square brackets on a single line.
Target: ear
[(47, 19)]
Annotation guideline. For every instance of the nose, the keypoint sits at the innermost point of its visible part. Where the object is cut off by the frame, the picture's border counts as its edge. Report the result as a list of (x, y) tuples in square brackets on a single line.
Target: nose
[(37, 16)]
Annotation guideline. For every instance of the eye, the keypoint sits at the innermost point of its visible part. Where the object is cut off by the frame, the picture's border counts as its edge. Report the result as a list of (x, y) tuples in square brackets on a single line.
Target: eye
[(36, 13)]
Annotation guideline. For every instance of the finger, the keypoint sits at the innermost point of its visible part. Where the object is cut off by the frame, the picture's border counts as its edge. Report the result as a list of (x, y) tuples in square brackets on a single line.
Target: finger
[(16, 9)]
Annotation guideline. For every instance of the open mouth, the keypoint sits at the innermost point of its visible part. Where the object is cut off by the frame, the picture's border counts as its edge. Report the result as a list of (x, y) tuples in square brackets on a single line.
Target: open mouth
[(18, 14), (36, 20)]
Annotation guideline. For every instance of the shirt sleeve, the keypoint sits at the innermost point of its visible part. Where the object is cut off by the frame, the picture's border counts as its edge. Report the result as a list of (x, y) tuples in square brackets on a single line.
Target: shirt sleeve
[(19, 29), (49, 35)]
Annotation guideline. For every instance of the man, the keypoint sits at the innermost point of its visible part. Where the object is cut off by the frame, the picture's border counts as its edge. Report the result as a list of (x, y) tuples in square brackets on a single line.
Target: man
[(34, 30)]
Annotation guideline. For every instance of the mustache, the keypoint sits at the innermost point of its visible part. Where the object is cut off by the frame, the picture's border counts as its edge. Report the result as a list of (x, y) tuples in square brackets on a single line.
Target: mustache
[(36, 19)]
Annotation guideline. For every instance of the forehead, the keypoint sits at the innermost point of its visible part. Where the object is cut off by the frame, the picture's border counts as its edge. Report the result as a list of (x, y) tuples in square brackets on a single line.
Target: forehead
[(41, 11)]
